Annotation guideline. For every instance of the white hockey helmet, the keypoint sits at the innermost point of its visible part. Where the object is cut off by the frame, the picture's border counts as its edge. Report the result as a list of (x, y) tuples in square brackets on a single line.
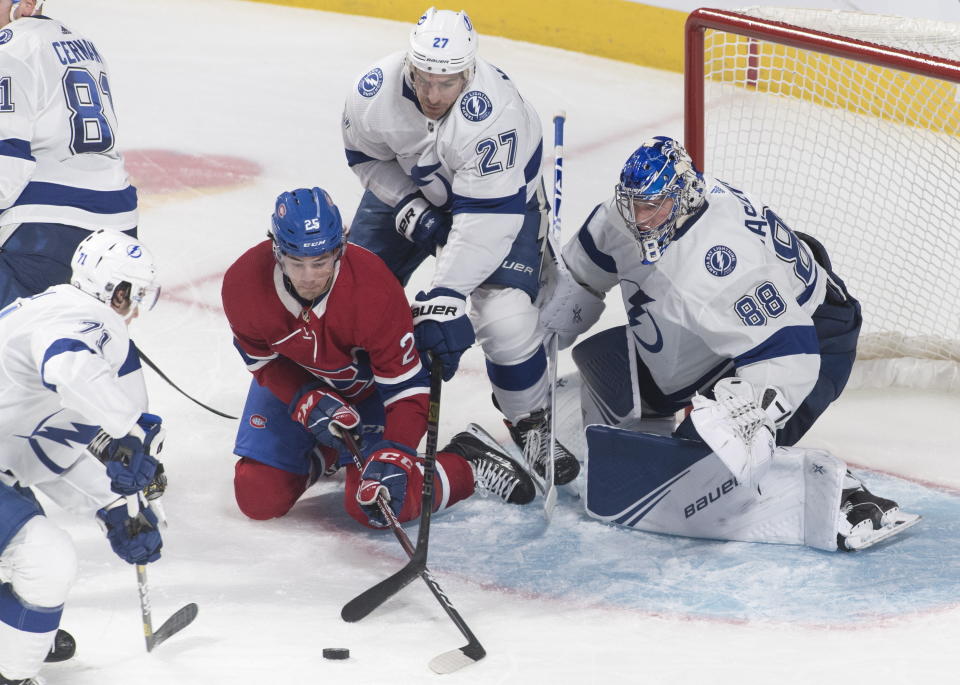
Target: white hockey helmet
[(443, 42), (107, 260)]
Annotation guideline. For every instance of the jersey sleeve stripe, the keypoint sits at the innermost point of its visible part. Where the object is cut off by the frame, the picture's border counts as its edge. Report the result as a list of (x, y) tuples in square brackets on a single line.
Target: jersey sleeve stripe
[(601, 259), (355, 157), (784, 343), (412, 373), (513, 204), (14, 147), (531, 171), (98, 201), (253, 362), (131, 363), (60, 346), (403, 394)]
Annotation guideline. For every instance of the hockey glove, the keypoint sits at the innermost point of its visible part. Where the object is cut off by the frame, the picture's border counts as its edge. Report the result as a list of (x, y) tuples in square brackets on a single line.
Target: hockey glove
[(421, 223), (386, 473), (567, 308), (131, 460), (136, 540), (739, 431), (441, 327), (324, 413)]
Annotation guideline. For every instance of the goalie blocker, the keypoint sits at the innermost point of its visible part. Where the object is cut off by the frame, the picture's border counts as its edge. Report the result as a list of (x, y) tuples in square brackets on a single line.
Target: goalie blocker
[(680, 487)]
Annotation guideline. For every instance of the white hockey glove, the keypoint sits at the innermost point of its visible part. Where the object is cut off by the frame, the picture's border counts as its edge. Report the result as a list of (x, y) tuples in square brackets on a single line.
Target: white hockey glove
[(737, 429), (566, 307)]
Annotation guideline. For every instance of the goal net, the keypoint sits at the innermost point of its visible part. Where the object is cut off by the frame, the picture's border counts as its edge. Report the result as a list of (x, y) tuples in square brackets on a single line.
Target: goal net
[(848, 126)]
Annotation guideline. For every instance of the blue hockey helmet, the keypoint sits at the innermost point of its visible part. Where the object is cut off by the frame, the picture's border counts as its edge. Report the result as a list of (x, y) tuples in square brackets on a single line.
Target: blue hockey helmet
[(660, 170), (305, 223)]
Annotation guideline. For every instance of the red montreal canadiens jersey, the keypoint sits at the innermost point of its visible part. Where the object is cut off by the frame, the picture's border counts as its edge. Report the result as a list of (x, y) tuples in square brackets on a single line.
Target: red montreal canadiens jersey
[(360, 335)]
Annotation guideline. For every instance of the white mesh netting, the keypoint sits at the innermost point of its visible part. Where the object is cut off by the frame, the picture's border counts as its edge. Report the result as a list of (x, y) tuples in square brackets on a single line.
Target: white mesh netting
[(863, 157)]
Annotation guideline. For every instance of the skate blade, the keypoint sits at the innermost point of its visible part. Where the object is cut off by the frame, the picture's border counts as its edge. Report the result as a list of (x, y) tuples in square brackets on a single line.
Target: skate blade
[(903, 522)]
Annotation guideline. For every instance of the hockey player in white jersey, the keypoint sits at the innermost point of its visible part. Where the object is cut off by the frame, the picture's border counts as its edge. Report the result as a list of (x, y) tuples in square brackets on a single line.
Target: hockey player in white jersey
[(61, 172), (450, 156), (732, 311), (63, 352)]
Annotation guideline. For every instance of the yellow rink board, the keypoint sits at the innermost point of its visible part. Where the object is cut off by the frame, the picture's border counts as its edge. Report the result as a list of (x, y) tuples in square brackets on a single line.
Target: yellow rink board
[(617, 29)]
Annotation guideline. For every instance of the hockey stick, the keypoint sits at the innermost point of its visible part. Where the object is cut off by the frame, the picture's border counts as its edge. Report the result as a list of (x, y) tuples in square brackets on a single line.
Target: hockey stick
[(149, 362), (550, 488), (180, 619), (361, 605)]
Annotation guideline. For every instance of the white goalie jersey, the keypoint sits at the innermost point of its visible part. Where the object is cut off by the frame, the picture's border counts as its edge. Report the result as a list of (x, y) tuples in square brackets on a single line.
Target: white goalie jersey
[(481, 161), (62, 353), (735, 289), (59, 158)]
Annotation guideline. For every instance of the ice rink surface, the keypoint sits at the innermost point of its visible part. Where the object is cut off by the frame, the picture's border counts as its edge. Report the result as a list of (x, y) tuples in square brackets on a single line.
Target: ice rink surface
[(225, 104)]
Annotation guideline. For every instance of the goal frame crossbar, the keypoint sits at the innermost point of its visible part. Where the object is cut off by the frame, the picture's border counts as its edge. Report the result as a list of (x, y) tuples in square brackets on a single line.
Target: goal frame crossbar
[(703, 19)]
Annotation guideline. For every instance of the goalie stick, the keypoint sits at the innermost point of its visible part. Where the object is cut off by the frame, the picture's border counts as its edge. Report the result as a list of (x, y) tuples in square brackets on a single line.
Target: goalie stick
[(364, 603), (553, 239)]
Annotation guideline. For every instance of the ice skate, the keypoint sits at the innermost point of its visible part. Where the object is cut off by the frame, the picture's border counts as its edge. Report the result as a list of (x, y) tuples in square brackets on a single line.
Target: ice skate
[(493, 470), (532, 435), (867, 519), (22, 681), (64, 647)]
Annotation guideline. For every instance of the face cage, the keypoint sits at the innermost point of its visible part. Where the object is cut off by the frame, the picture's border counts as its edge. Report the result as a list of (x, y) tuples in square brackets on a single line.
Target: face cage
[(653, 241)]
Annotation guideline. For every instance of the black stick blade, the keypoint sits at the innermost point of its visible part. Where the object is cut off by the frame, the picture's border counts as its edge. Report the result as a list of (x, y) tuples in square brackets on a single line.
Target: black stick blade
[(368, 600), (173, 625)]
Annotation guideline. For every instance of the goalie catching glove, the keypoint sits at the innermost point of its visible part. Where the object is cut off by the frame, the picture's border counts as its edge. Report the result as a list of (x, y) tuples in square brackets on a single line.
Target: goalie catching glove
[(421, 223), (386, 473), (441, 327), (740, 430)]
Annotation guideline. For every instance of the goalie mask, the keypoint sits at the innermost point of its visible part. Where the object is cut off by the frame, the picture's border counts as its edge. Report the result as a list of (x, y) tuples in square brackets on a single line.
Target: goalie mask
[(658, 187), (106, 261), (443, 42)]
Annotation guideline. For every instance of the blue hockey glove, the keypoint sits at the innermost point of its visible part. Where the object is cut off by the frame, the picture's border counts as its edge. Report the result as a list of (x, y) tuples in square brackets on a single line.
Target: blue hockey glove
[(131, 460), (386, 473), (441, 327), (321, 412), (136, 540), (421, 223)]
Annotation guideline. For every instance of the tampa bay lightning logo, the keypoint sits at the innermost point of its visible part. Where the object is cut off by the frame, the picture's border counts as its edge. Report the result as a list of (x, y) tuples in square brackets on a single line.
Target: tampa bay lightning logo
[(720, 260), (370, 83), (476, 106), (134, 252), (5, 36), (641, 321)]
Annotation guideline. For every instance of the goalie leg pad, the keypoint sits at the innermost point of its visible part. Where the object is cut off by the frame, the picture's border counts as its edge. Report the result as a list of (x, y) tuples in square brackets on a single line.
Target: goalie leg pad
[(679, 487), (608, 395)]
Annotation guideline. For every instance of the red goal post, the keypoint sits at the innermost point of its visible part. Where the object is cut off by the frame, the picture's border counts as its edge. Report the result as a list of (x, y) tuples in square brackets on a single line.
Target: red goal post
[(848, 125)]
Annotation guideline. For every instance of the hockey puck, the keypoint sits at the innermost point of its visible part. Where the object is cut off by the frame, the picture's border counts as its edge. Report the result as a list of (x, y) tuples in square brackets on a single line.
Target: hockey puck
[(336, 653)]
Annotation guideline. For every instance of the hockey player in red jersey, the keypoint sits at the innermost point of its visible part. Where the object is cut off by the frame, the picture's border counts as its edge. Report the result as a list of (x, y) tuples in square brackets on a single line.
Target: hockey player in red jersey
[(326, 331)]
